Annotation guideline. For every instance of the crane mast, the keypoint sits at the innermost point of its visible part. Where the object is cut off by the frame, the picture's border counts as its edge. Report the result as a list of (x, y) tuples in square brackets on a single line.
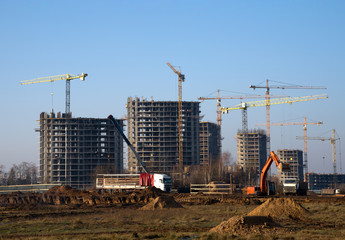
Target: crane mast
[(181, 79)]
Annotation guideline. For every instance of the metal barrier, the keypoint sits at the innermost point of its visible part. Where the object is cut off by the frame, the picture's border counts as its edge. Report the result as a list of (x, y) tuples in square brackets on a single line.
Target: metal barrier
[(26, 188)]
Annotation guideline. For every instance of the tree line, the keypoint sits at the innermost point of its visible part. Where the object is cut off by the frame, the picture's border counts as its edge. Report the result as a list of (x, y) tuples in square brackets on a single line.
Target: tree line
[(19, 174)]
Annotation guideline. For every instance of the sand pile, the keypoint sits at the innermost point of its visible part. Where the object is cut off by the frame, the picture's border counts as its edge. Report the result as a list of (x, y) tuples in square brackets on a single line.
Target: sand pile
[(260, 219), (280, 207), (240, 225), (161, 203)]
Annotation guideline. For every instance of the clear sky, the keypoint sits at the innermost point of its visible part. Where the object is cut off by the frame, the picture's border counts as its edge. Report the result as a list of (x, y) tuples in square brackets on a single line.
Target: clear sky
[(124, 47)]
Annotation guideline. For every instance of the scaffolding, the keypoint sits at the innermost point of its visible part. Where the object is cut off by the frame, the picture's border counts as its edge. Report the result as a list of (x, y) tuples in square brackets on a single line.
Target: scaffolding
[(153, 131), (74, 150)]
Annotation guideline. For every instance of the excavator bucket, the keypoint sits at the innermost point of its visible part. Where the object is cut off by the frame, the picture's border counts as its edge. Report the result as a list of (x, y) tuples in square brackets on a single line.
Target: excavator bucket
[(285, 167)]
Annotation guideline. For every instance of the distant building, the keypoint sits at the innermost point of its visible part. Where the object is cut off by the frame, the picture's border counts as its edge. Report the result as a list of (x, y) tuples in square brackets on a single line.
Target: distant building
[(152, 128), (251, 151), (73, 150), (317, 181), (209, 143), (295, 160)]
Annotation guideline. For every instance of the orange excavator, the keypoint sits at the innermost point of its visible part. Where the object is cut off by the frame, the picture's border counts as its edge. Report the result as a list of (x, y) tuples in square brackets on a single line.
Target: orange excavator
[(266, 187)]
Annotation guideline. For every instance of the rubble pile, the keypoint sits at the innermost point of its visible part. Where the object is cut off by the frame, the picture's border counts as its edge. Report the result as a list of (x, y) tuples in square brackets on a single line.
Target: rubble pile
[(64, 195)]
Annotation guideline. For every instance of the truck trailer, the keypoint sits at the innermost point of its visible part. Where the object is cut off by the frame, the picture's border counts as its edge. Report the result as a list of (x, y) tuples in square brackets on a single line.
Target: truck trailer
[(133, 181)]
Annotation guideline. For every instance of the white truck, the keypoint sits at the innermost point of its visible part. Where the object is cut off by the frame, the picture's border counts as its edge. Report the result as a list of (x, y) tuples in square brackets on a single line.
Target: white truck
[(295, 187), (133, 181)]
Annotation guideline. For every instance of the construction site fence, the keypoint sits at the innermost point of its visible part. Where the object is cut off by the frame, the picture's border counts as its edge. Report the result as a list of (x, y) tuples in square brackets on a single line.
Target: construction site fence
[(212, 188), (40, 188)]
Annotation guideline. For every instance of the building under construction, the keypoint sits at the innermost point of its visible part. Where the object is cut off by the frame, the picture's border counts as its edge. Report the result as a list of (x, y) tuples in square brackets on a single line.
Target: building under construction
[(318, 181), (295, 160), (153, 131), (73, 150), (209, 143), (251, 152)]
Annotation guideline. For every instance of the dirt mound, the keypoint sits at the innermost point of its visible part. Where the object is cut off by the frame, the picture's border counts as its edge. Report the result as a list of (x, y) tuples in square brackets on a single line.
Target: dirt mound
[(64, 190), (280, 207), (68, 196), (240, 225), (162, 202)]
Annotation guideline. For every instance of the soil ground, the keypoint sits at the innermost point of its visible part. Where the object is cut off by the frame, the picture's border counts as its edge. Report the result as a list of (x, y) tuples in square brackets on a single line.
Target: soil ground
[(64, 213)]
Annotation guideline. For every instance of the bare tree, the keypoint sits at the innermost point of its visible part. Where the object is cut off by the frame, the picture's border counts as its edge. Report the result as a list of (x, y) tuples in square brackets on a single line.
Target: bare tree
[(23, 173), (11, 179)]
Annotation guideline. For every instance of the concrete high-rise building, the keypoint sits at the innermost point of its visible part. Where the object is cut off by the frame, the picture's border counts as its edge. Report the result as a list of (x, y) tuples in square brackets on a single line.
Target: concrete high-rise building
[(295, 160), (153, 131), (209, 143), (318, 181), (73, 150), (251, 150)]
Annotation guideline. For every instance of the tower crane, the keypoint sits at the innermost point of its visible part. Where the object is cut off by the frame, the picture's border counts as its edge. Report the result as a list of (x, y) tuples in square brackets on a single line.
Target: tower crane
[(219, 111), (67, 77), (273, 101), (181, 79), (268, 87), (219, 98), (304, 124), (332, 140)]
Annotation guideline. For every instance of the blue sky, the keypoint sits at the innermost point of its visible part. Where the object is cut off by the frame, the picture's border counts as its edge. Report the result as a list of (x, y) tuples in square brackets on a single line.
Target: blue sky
[(124, 47)]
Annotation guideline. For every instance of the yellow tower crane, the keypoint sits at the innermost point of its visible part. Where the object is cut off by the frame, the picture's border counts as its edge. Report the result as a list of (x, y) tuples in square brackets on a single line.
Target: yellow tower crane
[(332, 140), (219, 111), (262, 103), (67, 77), (268, 87), (219, 98), (304, 124), (181, 79), (274, 101)]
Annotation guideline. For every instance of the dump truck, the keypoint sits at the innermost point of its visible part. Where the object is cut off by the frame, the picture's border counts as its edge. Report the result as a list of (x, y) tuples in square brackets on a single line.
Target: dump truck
[(295, 187), (133, 181)]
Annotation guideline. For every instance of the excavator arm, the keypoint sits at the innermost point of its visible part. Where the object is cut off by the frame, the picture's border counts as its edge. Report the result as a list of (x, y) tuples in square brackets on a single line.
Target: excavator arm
[(272, 158), (112, 119)]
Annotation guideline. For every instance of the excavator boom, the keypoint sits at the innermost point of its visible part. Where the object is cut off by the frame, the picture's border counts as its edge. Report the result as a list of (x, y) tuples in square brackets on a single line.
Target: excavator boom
[(272, 158), (112, 119)]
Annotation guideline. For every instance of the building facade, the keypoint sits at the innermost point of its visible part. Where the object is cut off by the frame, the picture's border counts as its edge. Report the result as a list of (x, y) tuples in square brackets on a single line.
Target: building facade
[(251, 152), (74, 150), (153, 131), (295, 160), (209, 143), (317, 181)]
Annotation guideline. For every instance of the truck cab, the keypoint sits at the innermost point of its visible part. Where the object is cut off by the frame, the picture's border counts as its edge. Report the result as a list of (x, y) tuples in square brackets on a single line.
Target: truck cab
[(290, 186), (162, 181)]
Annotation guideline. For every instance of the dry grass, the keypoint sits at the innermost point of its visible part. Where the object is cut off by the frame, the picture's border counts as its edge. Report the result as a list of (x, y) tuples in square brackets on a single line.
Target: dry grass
[(327, 221)]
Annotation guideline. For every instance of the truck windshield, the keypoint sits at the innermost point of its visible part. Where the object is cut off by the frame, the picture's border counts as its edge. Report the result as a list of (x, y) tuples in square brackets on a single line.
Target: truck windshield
[(167, 180), (290, 181)]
